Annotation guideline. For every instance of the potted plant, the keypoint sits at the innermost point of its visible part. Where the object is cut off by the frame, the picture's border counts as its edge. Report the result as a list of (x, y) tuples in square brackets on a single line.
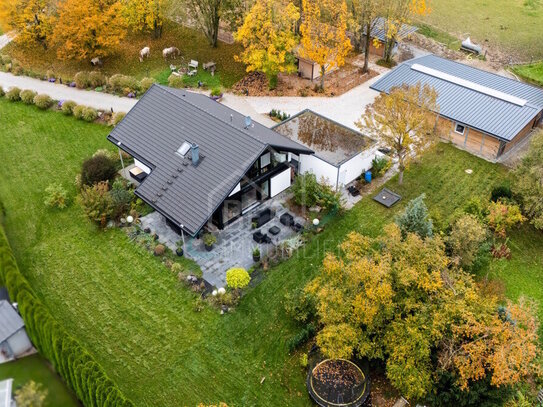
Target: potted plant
[(209, 241), (216, 94), (179, 250), (254, 225), (256, 254)]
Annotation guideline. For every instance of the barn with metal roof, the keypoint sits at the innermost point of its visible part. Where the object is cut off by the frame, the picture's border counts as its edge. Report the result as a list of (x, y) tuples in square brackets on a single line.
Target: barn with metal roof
[(483, 112)]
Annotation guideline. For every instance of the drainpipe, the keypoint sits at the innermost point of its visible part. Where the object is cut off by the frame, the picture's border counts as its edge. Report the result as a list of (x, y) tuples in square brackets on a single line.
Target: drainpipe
[(183, 237), (120, 154)]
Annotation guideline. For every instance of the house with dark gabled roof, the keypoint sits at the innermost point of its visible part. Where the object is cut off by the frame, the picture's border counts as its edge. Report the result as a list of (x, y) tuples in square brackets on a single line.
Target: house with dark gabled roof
[(199, 161), (480, 111)]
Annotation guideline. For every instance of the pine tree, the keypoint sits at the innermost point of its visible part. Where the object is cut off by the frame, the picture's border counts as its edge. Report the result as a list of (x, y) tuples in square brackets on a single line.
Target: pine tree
[(415, 218)]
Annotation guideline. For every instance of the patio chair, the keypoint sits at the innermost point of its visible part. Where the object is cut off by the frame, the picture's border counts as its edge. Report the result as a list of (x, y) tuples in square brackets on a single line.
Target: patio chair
[(286, 219), (259, 237), (297, 228), (193, 64), (263, 217)]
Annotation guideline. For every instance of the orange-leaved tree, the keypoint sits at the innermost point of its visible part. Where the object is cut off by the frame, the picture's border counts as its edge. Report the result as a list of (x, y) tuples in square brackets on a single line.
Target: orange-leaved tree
[(268, 38), (32, 20), (88, 29), (324, 38), (403, 120)]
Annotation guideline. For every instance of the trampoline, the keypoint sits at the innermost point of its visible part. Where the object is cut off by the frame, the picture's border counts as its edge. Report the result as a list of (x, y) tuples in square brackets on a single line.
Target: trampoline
[(338, 383), (387, 198)]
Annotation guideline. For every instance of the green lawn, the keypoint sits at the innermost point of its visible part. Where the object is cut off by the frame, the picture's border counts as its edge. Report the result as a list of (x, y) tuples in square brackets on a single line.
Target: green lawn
[(191, 43), (38, 369), (530, 72), (512, 25), (136, 319)]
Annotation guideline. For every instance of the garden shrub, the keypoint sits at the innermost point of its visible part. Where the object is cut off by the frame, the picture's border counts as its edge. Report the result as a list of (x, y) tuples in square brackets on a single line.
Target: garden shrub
[(216, 91), (97, 203), (122, 198), (14, 94), (78, 111), (89, 114), (159, 250), (96, 79), (98, 169), (43, 101), (50, 74), (309, 192), (56, 196), (67, 107), (146, 83), (467, 236), (476, 207), (124, 84), (27, 96), (306, 333), (415, 219), (82, 80), (379, 166), (16, 68), (175, 81), (116, 118), (501, 192), (237, 277), (177, 268), (74, 363), (2, 93), (5, 59), (299, 305), (112, 156)]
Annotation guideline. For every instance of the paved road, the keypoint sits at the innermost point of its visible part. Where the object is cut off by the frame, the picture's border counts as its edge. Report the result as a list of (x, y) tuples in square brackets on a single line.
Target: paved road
[(62, 92)]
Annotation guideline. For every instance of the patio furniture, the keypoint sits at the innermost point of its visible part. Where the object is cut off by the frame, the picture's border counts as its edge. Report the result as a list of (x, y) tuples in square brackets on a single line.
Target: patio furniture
[(259, 237), (297, 228), (138, 174), (286, 219), (274, 230), (387, 198), (353, 191), (262, 217), (193, 64)]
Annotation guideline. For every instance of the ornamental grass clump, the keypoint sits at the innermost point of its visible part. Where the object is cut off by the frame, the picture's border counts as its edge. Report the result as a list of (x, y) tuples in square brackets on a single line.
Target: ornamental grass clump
[(67, 107), (43, 101), (27, 96), (14, 94), (56, 196)]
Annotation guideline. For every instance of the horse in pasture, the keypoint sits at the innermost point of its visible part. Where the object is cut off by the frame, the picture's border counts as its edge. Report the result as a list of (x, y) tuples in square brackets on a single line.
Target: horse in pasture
[(171, 52), (145, 53)]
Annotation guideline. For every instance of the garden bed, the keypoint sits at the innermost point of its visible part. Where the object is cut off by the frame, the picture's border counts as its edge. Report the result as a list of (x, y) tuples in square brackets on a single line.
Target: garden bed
[(336, 83)]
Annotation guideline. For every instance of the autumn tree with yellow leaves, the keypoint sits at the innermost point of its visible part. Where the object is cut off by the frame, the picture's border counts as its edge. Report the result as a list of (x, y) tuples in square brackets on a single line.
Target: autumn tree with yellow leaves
[(268, 38), (403, 120), (324, 38), (401, 300), (88, 29), (31, 19), (146, 15)]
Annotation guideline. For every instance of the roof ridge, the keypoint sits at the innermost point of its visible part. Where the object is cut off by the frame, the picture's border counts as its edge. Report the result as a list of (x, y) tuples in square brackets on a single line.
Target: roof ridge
[(167, 89), (477, 69)]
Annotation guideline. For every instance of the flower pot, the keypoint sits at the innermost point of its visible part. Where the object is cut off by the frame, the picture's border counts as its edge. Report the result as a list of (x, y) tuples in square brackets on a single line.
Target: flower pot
[(179, 251), (256, 259), (208, 247)]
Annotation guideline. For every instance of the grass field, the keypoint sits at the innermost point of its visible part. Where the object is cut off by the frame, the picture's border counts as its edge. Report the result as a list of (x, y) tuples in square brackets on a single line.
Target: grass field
[(37, 369), (136, 319), (530, 72), (191, 43), (512, 25)]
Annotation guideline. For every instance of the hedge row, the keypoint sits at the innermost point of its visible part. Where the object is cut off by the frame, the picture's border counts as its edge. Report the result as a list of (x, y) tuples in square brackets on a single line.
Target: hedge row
[(76, 366)]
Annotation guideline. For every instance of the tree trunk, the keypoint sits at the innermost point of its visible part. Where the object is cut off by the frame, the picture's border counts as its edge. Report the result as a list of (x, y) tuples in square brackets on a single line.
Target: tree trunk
[(401, 167), (157, 27), (400, 177), (323, 71), (367, 49)]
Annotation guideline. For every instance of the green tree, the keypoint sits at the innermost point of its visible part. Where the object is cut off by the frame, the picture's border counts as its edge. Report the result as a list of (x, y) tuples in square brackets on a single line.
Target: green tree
[(529, 181), (414, 219), (466, 237)]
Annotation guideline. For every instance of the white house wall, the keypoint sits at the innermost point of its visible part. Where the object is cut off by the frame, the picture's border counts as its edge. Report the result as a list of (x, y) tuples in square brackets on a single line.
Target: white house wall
[(356, 166), (319, 167), (141, 165), (19, 343), (236, 189), (280, 182)]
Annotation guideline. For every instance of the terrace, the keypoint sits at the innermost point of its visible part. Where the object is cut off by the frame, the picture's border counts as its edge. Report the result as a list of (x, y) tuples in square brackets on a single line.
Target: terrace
[(235, 243)]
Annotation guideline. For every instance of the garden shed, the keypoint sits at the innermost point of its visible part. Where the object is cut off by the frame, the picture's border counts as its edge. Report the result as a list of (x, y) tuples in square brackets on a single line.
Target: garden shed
[(14, 341), (341, 153)]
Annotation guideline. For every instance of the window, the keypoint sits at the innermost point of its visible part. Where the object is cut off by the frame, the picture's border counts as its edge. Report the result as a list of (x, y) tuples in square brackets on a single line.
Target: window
[(459, 128), (184, 149), (265, 160)]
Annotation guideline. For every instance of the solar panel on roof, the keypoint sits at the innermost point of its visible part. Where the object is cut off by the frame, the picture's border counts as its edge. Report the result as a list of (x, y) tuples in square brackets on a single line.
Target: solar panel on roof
[(468, 84)]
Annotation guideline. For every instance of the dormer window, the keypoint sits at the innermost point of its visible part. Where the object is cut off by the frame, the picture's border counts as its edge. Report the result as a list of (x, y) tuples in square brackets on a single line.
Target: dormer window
[(184, 149)]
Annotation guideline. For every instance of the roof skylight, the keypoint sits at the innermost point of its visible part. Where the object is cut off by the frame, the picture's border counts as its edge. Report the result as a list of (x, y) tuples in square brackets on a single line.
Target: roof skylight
[(470, 85), (184, 149)]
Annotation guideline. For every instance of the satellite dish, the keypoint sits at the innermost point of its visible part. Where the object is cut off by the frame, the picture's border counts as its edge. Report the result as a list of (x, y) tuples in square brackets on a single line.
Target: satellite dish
[(248, 121)]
